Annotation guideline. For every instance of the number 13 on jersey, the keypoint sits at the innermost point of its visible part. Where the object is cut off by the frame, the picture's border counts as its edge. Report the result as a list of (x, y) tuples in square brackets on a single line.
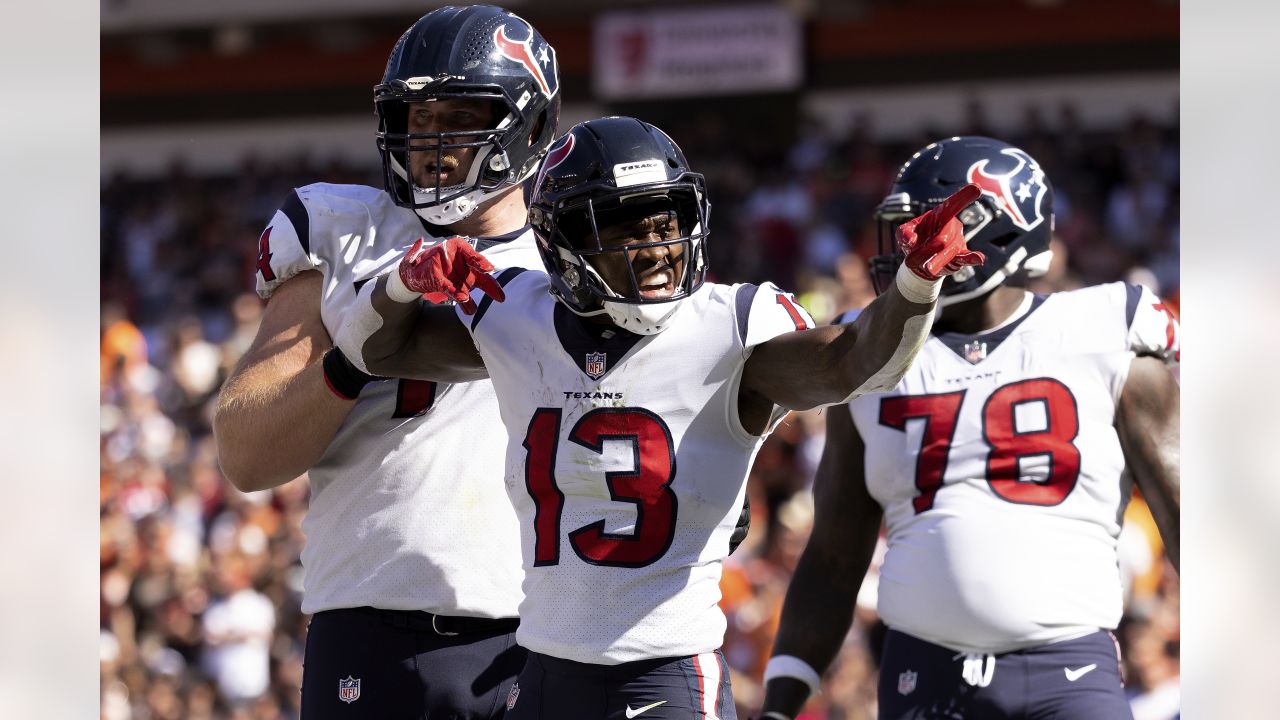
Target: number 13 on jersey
[(647, 485)]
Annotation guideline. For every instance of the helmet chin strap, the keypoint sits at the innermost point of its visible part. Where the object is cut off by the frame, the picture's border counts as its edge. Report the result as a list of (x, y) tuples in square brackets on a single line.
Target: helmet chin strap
[(996, 278), (584, 313), (638, 319), (450, 212), (1038, 265), (643, 319)]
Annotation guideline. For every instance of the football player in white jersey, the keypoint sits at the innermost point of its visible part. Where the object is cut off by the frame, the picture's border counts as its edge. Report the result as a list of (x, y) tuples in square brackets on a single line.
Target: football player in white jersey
[(1001, 464), (636, 396), (411, 563)]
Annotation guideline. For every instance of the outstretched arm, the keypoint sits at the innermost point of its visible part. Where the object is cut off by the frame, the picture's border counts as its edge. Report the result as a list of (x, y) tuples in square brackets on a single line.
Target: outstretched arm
[(819, 606), (809, 368), (1147, 419), (391, 331)]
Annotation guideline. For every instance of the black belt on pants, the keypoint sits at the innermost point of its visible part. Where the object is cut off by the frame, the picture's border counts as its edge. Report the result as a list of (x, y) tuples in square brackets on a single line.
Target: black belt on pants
[(445, 625)]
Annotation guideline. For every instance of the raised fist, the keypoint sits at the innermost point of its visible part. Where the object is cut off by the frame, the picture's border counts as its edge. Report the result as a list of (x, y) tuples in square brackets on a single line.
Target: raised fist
[(934, 242), (445, 272)]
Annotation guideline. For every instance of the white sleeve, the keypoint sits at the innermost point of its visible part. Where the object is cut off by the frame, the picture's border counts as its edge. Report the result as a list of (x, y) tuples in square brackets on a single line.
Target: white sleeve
[(769, 313), (1153, 329), (284, 248), (763, 313)]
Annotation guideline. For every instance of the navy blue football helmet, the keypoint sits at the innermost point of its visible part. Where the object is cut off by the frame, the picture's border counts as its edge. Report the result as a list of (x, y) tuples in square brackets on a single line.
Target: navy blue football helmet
[(479, 51), (606, 171), (1011, 223)]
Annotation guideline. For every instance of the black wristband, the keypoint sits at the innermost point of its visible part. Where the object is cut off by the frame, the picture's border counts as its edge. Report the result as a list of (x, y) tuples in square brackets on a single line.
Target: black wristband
[(343, 378)]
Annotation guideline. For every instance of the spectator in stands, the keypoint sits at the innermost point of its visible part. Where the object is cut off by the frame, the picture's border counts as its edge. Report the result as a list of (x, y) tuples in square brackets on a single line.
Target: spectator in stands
[(237, 635)]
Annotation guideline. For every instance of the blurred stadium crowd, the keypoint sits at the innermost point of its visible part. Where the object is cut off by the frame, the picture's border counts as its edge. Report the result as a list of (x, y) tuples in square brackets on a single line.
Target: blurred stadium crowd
[(200, 584)]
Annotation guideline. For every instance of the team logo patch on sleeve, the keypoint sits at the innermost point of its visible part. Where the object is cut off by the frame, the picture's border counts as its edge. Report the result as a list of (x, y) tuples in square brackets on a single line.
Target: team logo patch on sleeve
[(349, 689), (595, 364)]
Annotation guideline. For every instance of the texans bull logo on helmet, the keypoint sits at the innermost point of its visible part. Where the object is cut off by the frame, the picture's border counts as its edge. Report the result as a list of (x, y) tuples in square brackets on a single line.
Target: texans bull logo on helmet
[(522, 51), (555, 156), (1017, 191)]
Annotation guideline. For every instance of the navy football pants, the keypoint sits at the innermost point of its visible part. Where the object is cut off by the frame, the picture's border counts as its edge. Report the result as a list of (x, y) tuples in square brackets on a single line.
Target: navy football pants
[(366, 663), (1075, 679), (690, 688)]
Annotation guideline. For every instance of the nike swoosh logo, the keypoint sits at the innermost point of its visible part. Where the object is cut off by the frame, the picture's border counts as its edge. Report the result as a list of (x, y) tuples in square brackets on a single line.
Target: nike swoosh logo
[(632, 713), (1074, 675)]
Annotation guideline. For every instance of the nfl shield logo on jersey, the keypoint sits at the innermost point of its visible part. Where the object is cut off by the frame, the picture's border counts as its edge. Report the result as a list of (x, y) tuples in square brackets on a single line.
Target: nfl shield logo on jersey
[(595, 364), (349, 689), (975, 352), (906, 682), (513, 695)]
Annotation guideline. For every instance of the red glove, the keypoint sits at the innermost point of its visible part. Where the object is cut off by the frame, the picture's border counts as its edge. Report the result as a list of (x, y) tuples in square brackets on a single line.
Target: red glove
[(934, 242), (449, 271)]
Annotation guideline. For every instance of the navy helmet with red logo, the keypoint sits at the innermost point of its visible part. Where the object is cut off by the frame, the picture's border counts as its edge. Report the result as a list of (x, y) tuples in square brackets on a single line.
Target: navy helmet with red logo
[(611, 170), (478, 51), (1011, 222)]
